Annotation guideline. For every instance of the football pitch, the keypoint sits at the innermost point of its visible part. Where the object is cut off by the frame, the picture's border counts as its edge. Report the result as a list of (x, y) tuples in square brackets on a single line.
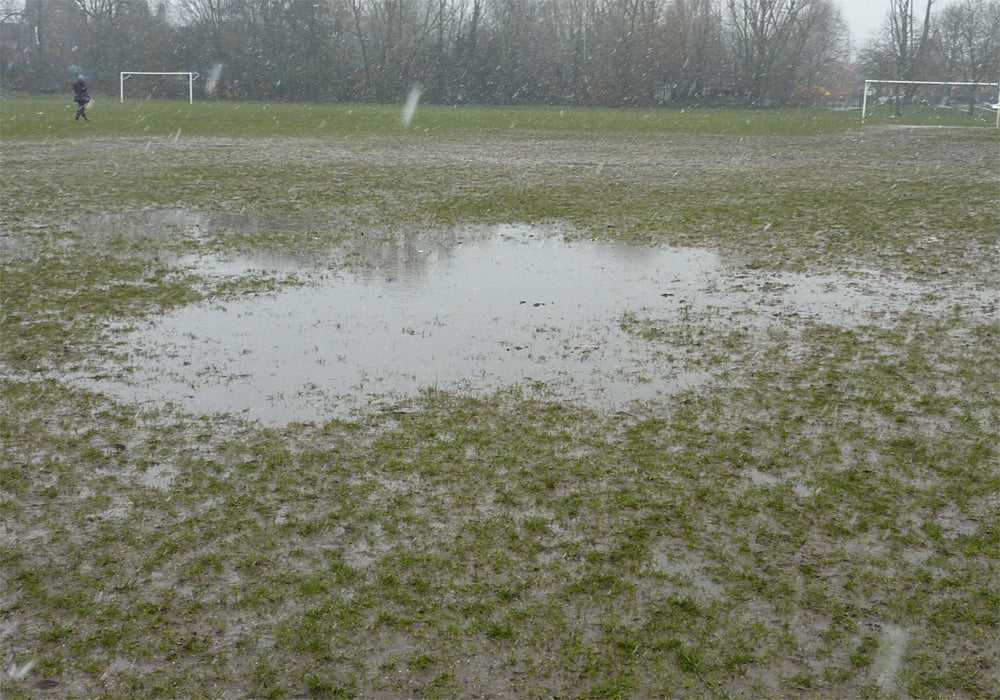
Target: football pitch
[(316, 401)]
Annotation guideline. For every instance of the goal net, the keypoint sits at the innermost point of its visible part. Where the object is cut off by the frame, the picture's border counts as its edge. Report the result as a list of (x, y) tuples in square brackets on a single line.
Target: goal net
[(985, 96), (147, 85)]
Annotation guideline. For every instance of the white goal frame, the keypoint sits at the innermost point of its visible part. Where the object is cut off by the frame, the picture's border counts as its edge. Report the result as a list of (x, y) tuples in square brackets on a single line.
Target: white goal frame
[(191, 76), (864, 101)]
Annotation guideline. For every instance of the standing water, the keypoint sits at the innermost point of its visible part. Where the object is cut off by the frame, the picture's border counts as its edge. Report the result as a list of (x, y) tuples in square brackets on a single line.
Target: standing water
[(487, 309)]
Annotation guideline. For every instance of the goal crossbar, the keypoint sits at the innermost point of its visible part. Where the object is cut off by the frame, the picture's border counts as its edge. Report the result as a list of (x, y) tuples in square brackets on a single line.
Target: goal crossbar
[(947, 83), (191, 76)]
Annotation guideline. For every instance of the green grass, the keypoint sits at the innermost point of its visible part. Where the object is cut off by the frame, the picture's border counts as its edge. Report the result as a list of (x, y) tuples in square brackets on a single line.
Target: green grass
[(759, 537), (52, 117)]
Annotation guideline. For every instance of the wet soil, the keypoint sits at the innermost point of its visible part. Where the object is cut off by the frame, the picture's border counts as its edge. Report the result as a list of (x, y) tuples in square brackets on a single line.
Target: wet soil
[(624, 455)]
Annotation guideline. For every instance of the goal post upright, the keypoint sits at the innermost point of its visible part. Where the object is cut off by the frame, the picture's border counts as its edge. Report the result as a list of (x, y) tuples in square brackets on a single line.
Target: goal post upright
[(948, 83), (864, 101), (190, 74)]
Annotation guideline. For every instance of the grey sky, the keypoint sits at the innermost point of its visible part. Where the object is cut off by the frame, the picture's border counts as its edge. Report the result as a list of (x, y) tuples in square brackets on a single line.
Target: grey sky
[(865, 17)]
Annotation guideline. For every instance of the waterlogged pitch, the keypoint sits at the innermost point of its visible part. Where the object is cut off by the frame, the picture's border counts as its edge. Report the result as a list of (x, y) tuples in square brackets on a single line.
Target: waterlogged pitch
[(473, 310), (300, 402)]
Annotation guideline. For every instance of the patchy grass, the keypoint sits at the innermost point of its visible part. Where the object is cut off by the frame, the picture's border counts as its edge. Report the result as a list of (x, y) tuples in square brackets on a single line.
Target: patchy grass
[(818, 521)]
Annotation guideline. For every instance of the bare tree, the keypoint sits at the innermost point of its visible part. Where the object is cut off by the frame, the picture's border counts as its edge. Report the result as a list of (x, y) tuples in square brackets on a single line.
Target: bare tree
[(777, 44), (968, 39), (14, 43), (625, 34), (118, 33), (694, 53), (512, 51), (209, 26), (10, 11), (908, 43)]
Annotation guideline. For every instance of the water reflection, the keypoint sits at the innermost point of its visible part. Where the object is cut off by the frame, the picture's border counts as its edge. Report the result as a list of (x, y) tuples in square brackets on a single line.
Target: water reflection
[(472, 310)]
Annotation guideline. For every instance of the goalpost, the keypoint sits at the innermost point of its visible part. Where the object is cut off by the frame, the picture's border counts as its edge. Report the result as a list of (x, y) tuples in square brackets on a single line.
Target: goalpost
[(191, 76), (864, 100)]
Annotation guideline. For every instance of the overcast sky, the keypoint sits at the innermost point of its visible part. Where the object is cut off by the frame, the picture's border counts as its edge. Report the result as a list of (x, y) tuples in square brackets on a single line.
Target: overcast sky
[(865, 17)]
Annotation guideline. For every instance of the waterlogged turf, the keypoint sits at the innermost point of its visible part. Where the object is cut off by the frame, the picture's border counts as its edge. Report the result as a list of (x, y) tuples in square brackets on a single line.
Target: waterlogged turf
[(475, 310), (809, 512)]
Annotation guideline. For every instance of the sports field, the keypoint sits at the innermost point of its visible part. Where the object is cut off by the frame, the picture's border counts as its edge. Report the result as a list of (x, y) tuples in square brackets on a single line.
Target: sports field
[(750, 446)]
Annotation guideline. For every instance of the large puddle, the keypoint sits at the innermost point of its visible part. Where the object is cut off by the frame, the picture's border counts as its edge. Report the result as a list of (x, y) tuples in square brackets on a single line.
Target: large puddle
[(472, 311)]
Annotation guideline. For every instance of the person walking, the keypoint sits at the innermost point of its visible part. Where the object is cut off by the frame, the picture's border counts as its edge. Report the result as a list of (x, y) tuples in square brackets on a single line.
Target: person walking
[(81, 98)]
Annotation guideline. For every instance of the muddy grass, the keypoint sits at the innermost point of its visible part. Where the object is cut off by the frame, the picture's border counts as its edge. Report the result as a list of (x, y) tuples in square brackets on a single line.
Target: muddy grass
[(814, 516)]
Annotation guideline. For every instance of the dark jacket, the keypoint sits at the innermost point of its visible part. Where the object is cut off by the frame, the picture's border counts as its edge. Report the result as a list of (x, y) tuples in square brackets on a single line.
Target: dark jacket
[(80, 91)]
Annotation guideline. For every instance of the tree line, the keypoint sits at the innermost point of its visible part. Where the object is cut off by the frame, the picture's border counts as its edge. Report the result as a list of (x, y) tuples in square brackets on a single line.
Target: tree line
[(961, 42), (575, 52)]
